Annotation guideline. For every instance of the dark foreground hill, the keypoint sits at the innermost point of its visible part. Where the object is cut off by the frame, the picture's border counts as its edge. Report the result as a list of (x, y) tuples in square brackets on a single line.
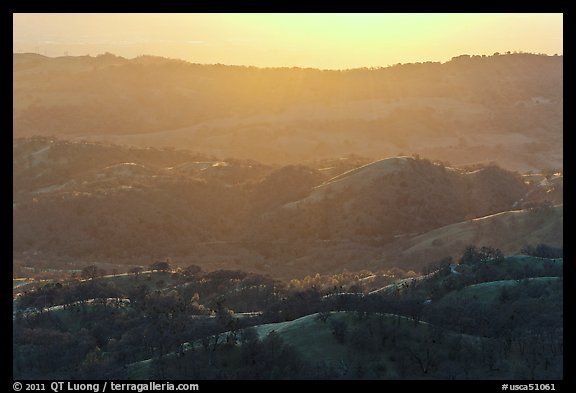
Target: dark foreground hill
[(486, 318)]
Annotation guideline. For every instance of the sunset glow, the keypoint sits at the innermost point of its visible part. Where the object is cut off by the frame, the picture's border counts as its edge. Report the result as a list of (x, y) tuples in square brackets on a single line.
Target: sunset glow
[(330, 41)]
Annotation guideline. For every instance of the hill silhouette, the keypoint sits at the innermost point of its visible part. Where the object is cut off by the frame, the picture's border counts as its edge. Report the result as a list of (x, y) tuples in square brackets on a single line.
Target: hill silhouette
[(502, 108)]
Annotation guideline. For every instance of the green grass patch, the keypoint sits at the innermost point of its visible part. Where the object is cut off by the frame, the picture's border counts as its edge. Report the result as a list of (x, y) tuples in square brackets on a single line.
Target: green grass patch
[(518, 263), (491, 292)]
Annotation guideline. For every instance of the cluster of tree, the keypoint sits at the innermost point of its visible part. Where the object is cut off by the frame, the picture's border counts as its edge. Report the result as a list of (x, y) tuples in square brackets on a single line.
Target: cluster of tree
[(284, 185), (199, 308), (543, 251), (362, 281), (484, 264), (161, 266), (421, 197), (239, 356), (473, 256), (53, 294)]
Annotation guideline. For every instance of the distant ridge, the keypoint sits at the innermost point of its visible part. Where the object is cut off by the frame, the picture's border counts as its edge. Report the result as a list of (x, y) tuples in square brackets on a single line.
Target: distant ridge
[(502, 108)]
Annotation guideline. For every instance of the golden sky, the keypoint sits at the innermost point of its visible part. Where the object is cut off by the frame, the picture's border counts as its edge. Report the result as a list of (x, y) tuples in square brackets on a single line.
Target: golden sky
[(329, 41)]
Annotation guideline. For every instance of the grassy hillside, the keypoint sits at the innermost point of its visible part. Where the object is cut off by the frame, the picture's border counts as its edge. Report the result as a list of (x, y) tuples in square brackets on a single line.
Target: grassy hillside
[(394, 197), (508, 231), (504, 108), (118, 205), (491, 292), (491, 319), (318, 339), (359, 352)]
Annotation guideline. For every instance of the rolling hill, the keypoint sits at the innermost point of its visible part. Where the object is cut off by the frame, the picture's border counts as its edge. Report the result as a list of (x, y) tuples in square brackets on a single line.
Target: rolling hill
[(395, 197), (508, 231), (509, 325), (472, 109), (79, 202)]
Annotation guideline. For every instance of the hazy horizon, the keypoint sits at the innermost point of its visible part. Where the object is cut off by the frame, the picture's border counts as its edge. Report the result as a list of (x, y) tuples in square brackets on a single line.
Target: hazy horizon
[(324, 41), (273, 67)]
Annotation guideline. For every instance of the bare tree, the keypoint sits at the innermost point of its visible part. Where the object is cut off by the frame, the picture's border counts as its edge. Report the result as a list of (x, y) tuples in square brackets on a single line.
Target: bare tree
[(90, 272)]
